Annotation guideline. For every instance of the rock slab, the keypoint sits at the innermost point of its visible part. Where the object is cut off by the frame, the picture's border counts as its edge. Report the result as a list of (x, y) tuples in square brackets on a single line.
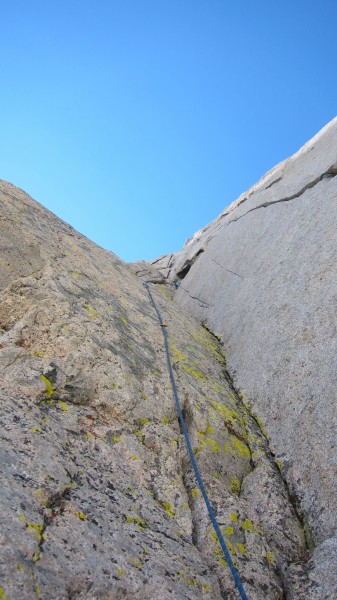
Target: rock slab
[(263, 277)]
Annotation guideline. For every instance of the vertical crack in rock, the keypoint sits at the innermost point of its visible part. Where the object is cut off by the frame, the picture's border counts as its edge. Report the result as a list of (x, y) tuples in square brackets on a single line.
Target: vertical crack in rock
[(255, 432), (219, 423)]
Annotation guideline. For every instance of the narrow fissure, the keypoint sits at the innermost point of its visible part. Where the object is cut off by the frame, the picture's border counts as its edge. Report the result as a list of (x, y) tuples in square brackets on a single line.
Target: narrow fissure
[(245, 411), (270, 455), (250, 427), (329, 174), (201, 302), (250, 420)]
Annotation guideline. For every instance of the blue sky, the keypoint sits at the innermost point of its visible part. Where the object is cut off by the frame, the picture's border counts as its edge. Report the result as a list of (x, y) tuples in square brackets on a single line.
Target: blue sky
[(138, 121)]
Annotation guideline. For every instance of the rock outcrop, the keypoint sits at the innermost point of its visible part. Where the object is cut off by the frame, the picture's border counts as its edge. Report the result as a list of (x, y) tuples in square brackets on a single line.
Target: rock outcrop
[(262, 277), (98, 497)]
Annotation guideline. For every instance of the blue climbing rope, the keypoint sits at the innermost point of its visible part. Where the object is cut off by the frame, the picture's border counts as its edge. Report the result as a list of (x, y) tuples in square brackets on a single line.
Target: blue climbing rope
[(211, 513)]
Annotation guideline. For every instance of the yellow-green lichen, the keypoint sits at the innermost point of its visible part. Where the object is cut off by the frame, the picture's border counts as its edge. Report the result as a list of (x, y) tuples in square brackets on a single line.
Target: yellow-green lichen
[(241, 447), (228, 414), (37, 530), (144, 421), (247, 525), (218, 550), (207, 442), (231, 548), (37, 555), (196, 493), (2, 594), (234, 516), (177, 354), (117, 438), (81, 516), (63, 405), (190, 371), (242, 548), (205, 340), (270, 558), (279, 463), (229, 531), (214, 446), (136, 521), (36, 429), (42, 496), (93, 314), (235, 486), (50, 389), (188, 580), (170, 511), (134, 457), (120, 572), (139, 434)]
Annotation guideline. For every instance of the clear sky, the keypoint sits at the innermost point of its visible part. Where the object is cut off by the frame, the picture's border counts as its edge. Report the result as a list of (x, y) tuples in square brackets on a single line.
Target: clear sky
[(138, 121)]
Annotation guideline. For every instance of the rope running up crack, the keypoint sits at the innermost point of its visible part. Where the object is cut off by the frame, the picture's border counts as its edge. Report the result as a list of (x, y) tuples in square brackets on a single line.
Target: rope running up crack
[(192, 457)]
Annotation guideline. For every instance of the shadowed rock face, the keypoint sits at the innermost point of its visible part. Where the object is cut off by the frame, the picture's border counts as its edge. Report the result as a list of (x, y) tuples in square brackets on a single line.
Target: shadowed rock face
[(262, 276)]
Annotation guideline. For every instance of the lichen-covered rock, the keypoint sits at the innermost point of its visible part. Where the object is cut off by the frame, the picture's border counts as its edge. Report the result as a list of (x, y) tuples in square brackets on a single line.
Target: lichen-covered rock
[(263, 277), (98, 498)]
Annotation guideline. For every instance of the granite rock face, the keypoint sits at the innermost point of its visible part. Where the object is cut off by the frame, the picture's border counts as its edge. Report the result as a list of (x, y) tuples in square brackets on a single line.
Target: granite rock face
[(98, 499), (263, 278)]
